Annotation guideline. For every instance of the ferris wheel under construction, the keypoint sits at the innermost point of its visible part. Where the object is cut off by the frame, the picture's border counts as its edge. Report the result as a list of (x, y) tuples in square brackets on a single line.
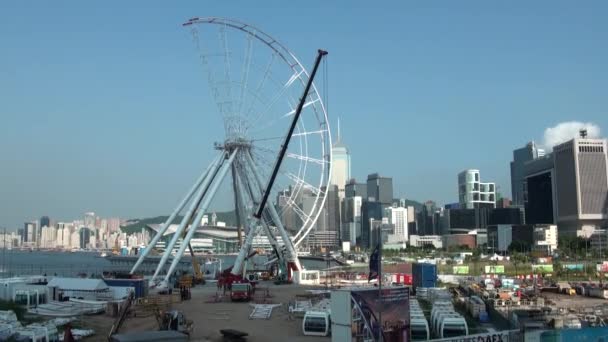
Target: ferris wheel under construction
[(277, 137)]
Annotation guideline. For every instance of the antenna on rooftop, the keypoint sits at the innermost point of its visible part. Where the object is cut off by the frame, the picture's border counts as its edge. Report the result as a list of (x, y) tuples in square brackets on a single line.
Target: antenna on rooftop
[(583, 133)]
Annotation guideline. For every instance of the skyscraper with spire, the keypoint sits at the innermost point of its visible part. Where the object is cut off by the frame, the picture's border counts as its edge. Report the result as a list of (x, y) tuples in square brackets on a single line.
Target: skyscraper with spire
[(340, 169)]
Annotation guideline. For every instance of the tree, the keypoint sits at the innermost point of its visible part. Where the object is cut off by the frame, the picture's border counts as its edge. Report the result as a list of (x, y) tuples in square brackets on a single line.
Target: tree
[(517, 246)]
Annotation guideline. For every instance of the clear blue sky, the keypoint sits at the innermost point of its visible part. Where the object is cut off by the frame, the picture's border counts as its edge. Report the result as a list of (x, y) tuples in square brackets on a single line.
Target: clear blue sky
[(100, 101)]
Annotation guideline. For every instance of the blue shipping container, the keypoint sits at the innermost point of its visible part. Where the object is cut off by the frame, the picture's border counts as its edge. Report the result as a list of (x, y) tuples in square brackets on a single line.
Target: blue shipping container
[(424, 275), (483, 317)]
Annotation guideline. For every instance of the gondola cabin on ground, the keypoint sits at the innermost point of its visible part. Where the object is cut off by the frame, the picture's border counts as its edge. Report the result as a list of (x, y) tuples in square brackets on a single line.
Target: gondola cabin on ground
[(316, 323)]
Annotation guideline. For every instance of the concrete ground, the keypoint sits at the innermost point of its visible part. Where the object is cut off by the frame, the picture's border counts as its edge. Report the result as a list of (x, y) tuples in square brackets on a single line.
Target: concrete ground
[(574, 302), (210, 316)]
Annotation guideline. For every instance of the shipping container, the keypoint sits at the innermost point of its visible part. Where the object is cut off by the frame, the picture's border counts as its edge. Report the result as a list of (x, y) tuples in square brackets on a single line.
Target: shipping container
[(484, 317), (140, 285), (401, 278), (424, 275), (598, 293)]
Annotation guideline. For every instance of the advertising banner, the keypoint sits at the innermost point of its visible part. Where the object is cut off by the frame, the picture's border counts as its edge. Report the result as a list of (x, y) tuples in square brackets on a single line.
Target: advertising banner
[(547, 268), (603, 267), (392, 309), (460, 269), (497, 336), (574, 267), (495, 269)]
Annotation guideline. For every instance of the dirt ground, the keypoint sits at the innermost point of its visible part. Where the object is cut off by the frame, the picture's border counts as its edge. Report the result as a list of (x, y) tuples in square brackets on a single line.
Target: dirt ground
[(211, 312)]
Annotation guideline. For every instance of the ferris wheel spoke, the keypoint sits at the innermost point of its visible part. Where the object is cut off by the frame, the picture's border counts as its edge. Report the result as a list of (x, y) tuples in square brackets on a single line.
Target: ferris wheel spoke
[(245, 73), (293, 111), (278, 96), (262, 83), (315, 190), (224, 40), (305, 158), (299, 211), (204, 58), (280, 182), (266, 165), (298, 134), (321, 131)]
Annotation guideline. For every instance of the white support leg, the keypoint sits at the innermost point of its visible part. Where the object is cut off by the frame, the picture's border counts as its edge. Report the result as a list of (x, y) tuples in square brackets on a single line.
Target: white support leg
[(217, 181), (194, 203), (173, 215), (237, 269)]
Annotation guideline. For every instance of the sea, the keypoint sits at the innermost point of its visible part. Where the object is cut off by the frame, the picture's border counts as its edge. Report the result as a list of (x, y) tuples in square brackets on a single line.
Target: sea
[(90, 264)]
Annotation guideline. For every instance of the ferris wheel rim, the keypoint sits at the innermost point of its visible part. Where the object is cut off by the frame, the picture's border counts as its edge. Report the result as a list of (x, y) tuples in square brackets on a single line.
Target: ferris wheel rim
[(326, 140)]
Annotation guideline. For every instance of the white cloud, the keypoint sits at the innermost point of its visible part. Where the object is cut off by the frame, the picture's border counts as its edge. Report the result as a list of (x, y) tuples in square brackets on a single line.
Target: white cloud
[(565, 131)]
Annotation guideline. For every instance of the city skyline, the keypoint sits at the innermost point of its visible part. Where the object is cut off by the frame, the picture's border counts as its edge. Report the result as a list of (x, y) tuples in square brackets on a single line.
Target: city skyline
[(75, 149)]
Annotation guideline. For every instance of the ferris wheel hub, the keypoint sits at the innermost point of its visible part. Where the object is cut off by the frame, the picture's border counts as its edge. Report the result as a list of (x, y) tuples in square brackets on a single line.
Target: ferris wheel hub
[(232, 144)]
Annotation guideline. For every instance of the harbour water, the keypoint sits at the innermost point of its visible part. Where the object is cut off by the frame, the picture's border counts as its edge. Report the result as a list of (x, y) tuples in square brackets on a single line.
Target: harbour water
[(17, 263)]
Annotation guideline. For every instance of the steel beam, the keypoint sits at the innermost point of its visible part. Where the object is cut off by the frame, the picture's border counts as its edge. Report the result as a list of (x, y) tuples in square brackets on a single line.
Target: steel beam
[(178, 232), (217, 181), (174, 214)]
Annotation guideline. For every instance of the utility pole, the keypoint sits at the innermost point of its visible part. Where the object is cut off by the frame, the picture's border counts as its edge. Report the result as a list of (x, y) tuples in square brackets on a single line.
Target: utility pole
[(381, 303), (4, 254)]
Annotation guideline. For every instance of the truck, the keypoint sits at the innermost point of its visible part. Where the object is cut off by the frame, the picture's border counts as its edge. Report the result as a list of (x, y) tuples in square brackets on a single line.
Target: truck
[(241, 292)]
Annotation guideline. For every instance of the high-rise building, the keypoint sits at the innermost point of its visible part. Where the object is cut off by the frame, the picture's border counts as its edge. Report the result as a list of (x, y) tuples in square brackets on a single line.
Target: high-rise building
[(355, 193), (539, 194), (48, 237), (581, 184), (426, 219), (398, 218), (45, 221), (308, 199), (520, 157), (353, 189), (85, 237), (380, 189), (340, 164), (289, 218), (370, 211), (472, 193), (89, 220), (332, 205), (30, 231), (569, 187), (351, 226), (113, 224)]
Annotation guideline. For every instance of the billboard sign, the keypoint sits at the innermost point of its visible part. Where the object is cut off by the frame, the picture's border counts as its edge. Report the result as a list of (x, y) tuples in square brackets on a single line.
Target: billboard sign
[(603, 267), (574, 267), (495, 269), (394, 305), (460, 269), (546, 268), (545, 260)]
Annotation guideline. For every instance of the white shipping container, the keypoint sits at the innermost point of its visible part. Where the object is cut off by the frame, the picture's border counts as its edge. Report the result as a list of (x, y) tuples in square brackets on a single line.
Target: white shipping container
[(598, 293)]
